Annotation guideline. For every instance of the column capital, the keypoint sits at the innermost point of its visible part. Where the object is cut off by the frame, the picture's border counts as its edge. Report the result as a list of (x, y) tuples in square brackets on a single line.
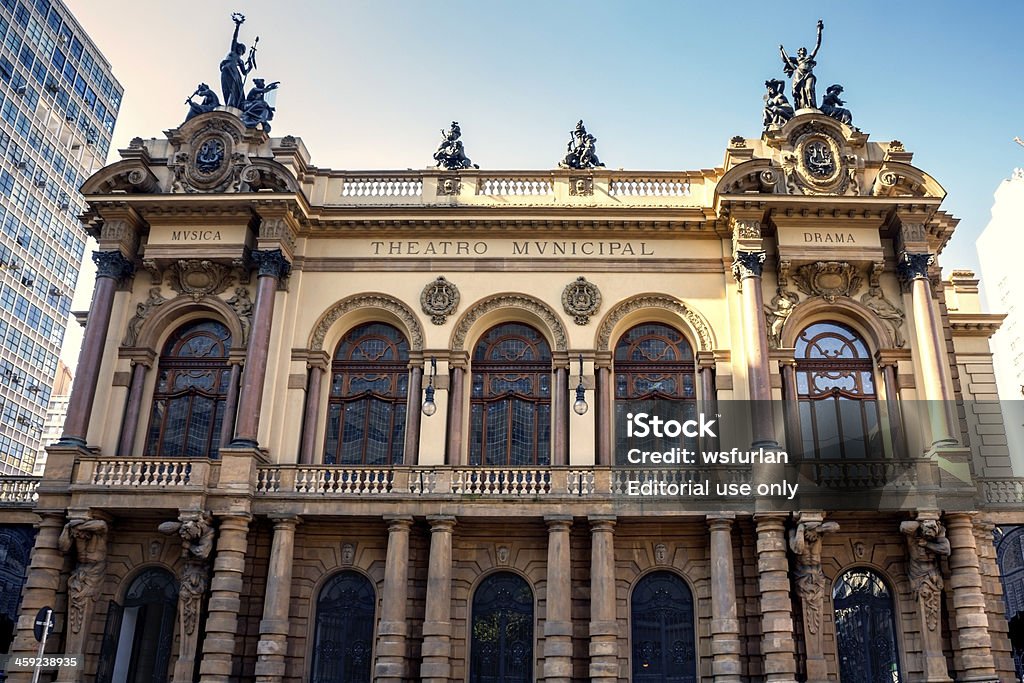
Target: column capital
[(113, 265), (747, 264), (237, 520), (913, 266), (771, 520), (441, 523), (271, 263), (602, 522), (721, 521), (558, 522), (398, 523), (285, 521), (959, 519)]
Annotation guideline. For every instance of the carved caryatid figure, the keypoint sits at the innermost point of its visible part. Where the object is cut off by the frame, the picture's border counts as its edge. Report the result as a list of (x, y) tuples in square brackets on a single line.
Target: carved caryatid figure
[(833, 105), (777, 109), (777, 313), (209, 102), (142, 311), (233, 70), (243, 307), (581, 151), (89, 539), (805, 542), (196, 533), (801, 70), (451, 154), (926, 542)]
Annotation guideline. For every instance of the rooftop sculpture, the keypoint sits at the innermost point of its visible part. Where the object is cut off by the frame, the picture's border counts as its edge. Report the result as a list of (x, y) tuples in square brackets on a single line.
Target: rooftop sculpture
[(450, 154), (581, 152), (777, 110), (801, 70)]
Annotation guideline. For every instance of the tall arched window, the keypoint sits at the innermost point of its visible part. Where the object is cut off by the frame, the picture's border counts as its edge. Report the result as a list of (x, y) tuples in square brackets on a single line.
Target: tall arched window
[(191, 388), (343, 640), (664, 646), (139, 635), (366, 408), (501, 647), (655, 374), (865, 628), (510, 402), (836, 392)]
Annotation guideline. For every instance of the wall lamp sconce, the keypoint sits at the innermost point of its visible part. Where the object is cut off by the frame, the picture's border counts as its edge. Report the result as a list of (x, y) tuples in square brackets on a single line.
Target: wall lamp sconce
[(580, 406), (429, 407)]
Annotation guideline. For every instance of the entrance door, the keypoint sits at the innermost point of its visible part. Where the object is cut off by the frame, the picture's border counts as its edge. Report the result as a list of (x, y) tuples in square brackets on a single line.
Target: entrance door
[(343, 647), (865, 628), (501, 650), (664, 647)]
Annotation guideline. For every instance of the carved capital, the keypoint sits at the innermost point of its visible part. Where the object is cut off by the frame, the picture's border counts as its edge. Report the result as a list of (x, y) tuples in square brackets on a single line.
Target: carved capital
[(112, 264), (748, 264), (914, 266), (271, 263)]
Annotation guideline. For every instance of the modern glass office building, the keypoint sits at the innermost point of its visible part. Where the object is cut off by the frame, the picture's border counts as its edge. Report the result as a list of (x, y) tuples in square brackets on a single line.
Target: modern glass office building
[(58, 105)]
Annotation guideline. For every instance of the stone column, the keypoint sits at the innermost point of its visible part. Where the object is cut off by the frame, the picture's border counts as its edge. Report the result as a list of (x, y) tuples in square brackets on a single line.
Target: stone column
[(747, 270), (725, 626), (777, 645), (605, 409), (604, 628), (558, 618), (708, 393), (437, 626), (392, 629), (926, 542), (271, 267), (455, 410), (311, 412), (41, 586), (225, 591), (791, 406), (805, 541), (111, 269), (969, 609), (559, 416), (273, 645), (227, 425), (892, 404), (929, 346), (133, 408), (413, 412)]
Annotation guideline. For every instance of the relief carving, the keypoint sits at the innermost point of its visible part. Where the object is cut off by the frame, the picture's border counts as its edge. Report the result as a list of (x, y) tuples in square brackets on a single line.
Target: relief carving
[(502, 555), (661, 553), (581, 299), (828, 279), (142, 310), (89, 539), (243, 307), (926, 542), (439, 299), (697, 324), (198, 278), (875, 299), (196, 533), (519, 301), (805, 542), (348, 554), (381, 301), (777, 312)]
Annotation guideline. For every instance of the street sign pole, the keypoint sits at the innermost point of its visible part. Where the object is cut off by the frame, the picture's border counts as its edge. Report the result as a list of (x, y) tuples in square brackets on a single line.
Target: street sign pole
[(47, 614)]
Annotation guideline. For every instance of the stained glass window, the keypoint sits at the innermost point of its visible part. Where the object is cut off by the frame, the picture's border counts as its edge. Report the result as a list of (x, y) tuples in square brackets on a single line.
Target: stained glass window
[(343, 641), (366, 407), (510, 399), (663, 640), (191, 388), (839, 415), (865, 628), (501, 648)]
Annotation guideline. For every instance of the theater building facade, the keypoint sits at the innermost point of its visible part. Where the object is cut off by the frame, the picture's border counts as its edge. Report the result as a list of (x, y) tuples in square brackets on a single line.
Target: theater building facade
[(353, 426)]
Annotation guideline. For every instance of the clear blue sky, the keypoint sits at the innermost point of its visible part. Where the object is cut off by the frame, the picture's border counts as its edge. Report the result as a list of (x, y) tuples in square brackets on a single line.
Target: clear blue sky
[(663, 85)]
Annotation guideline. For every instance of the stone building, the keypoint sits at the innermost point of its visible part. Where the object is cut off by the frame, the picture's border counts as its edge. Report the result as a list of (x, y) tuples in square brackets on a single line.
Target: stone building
[(342, 426)]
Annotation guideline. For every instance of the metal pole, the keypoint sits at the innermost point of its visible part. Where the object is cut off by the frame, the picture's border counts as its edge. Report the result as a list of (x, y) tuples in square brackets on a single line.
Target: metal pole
[(42, 646)]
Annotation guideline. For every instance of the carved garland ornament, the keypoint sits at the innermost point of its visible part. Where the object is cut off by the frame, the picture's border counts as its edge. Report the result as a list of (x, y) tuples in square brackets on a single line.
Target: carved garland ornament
[(697, 323), (198, 278), (379, 301), (828, 279), (518, 301), (439, 300), (581, 299)]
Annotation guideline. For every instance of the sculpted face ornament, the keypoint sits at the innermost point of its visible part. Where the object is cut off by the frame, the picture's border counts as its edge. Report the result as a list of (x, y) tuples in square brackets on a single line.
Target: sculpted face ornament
[(348, 554), (503, 554), (819, 160), (661, 553), (210, 156)]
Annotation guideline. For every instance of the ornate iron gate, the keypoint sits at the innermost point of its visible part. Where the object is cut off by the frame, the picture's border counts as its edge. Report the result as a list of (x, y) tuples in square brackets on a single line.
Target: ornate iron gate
[(501, 650), (865, 628), (664, 647), (343, 648)]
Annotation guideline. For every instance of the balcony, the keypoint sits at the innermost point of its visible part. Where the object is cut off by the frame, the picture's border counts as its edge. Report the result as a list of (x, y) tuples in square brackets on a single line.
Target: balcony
[(18, 491)]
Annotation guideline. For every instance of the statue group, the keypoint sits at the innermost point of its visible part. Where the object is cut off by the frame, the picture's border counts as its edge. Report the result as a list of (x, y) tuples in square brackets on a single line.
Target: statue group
[(234, 69), (777, 109), (450, 154), (581, 152)]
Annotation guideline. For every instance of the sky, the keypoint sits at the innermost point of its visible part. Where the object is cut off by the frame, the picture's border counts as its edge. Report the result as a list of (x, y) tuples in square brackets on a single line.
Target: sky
[(663, 85)]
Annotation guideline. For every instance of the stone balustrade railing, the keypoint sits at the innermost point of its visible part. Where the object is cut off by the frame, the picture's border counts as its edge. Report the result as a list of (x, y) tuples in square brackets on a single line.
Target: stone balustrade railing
[(145, 473), (18, 490), (473, 187), (1008, 492)]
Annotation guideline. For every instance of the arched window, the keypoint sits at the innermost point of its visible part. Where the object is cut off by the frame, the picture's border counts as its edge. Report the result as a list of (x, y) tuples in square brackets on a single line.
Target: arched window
[(139, 635), (15, 545), (655, 374), (191, 388), (366, 408), (1010, 555), (501, 648), (836, 392), (343, 641), (865, 628), (510, 402), (664, 646)]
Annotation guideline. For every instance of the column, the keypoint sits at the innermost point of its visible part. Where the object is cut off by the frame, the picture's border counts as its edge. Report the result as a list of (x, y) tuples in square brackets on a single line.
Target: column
[(604, 628), (111, 269), (558, 598), (225, 589), (227, 426), (928, 345), (791, 407), (455, 411), (133, 407), (40, 589), (969, 609), (890, 386), (273, 645), (392, 628), (708, 393), (559, 416), (413, 412), (271, 267), (437, 627), (777, 645), (604, 407), (747, 270), (311, 413), (725, 626)]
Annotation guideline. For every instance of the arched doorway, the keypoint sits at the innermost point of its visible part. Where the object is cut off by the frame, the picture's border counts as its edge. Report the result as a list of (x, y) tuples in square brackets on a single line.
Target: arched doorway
[(663, 641), (865, 628), (1010, 556), (501, 648), (343, 641), (139, 634)]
